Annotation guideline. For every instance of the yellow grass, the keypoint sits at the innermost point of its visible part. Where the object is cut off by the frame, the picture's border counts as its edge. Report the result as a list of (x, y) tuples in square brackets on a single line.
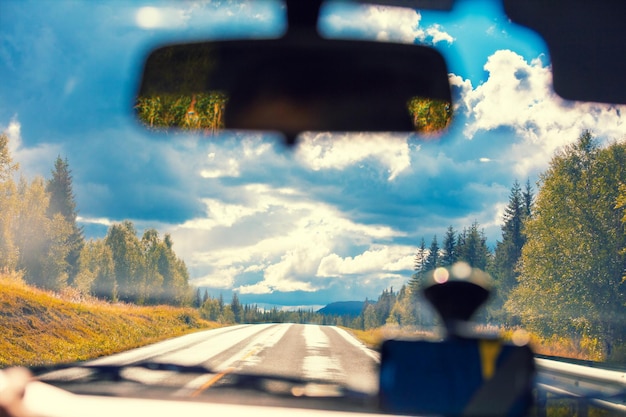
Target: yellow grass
[(38, 327), (374, 338), (586, 349)]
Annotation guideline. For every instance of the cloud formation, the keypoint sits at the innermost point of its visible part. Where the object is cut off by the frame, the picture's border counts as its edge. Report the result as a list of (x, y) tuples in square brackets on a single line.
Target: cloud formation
[(30, 159), (337, 151), (382, 23), (518, 95), (278, 240)]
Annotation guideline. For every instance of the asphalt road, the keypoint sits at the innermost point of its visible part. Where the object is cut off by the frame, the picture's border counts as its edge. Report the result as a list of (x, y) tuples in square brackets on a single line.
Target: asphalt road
[(292, 350)]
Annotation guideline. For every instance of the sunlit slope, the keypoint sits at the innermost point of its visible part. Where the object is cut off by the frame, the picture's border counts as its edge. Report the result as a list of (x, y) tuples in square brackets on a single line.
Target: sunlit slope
[(39, 328)]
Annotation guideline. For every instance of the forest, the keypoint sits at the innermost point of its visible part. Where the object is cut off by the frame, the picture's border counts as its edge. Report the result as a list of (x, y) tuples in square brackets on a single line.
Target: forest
[(558, 268), (41, 241)]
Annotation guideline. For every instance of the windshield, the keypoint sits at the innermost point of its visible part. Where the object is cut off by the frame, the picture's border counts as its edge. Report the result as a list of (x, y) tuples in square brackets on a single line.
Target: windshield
[(115, 234)]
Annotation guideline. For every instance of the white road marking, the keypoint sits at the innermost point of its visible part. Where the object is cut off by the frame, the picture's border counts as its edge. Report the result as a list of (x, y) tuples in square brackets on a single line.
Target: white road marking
[(246, 356), (353, 341), (318, 364)]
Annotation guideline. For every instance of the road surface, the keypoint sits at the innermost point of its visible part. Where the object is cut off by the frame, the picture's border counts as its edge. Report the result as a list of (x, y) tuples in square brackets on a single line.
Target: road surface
[(292, 350)]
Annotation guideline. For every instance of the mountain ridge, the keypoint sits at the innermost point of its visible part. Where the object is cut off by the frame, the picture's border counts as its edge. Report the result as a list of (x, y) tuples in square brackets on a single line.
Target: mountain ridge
[(343, 308)]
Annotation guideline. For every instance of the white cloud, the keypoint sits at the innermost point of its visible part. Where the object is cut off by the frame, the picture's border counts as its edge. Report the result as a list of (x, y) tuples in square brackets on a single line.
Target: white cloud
[(94, 220), (224, 161), (14, 132), (31, 160), (518, 94), (321, 151), (437, 34), (281, 235), (382, 23), (374, 260), (161, 17), (225, 279)]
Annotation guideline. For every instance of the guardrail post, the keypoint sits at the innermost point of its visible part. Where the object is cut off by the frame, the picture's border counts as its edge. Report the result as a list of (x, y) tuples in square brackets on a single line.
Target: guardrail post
[(583, 407), (542, 403)]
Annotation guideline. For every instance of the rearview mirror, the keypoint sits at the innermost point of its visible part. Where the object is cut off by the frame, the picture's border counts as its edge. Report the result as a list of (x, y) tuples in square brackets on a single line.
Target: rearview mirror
[(300, 82)]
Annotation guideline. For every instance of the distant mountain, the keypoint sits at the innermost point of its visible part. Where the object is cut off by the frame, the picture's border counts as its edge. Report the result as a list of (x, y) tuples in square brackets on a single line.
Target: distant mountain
[(342, 308)]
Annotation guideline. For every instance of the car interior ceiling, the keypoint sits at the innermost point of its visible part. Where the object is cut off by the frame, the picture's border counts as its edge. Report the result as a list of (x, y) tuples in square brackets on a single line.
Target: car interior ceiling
[(585, 40)]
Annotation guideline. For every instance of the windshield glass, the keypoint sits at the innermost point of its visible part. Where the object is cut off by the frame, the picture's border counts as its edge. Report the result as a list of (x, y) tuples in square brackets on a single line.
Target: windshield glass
[(114, 235)]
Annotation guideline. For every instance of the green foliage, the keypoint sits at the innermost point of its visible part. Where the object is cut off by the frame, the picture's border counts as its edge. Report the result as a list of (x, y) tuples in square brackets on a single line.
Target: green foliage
[(31, 239), (236, 308), (572, 265), (449, 255), (210, 310), (42, 241), (10, 211), (196, 111), (205, 111), (403, 312), (129, 262), (39, 236), (428, 115), (7, 166), (433, 258), (145, 271), (62, 202), (96, 271), (505, 270), (472, 247), (369, 317)]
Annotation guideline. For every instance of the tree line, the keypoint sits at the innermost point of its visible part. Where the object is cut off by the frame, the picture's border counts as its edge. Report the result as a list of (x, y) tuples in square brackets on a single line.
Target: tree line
[(560, 266), (214, 309), (40, 239)]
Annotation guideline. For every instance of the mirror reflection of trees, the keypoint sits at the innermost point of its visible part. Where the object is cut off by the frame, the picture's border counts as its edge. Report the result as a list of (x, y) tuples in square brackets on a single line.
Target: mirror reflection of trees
[(205, 112), (189, 112), (429, 116)]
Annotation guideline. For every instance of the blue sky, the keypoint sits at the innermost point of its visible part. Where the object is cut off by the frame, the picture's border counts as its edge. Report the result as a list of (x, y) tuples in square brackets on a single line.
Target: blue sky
[(339, 218)]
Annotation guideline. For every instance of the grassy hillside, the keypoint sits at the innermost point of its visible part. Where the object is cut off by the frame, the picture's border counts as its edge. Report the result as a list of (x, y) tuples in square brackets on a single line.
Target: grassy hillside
[(40, 327)]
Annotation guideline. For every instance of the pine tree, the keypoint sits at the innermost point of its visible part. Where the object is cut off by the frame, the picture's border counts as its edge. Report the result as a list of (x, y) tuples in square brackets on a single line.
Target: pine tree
[(198, 299), (529, 198), (509, 250), (419, 265), (9, 207), (449, 255), (235, 306), (472, 247), (432, 260), (62, 201)]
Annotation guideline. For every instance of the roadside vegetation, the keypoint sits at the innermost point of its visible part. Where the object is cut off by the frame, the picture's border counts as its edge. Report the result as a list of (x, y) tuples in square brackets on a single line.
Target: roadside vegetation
[(41, 327), (41, 238), (558, 270)]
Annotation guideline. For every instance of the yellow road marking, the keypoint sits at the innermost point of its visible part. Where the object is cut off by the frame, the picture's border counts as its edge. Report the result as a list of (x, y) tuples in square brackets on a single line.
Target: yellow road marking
[(212, 381), (252, 352), (221, 375)]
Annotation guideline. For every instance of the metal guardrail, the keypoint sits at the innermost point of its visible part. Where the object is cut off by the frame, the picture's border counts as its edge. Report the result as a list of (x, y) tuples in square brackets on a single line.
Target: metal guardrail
[(589, 385)]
